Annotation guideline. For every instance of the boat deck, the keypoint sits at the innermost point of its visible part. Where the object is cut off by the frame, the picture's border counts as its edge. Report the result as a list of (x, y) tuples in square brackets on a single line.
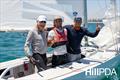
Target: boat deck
[(73, 68)]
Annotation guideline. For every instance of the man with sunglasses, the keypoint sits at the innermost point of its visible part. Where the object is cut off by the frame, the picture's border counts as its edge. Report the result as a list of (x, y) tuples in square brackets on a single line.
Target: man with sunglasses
[(57, 39), (75, 36), (36, 41)]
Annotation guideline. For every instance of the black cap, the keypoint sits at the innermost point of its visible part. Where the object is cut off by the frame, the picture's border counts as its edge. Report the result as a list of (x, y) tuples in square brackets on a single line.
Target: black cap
[(77, 19)]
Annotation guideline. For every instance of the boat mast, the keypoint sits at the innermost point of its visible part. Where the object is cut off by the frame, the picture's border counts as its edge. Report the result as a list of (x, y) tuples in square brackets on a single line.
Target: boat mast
[(85, 19)]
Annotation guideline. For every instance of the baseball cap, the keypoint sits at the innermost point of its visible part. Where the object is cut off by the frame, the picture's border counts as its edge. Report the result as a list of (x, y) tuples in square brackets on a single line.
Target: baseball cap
[(77, 19), (42, 18)]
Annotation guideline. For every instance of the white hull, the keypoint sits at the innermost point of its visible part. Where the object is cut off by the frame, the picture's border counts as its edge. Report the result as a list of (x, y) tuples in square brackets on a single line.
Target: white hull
[(78, 69), (70, 71), (112, 63)]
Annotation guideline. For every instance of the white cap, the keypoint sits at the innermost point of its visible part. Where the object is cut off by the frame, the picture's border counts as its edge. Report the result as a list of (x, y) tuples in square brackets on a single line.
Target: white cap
[(42, 18)]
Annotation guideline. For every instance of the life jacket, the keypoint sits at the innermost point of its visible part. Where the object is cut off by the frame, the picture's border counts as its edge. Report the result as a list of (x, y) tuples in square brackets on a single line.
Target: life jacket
[(60, 38)]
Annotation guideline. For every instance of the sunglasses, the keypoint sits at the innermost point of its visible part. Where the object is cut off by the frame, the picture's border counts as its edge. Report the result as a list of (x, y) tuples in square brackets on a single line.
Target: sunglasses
[(42, 21)]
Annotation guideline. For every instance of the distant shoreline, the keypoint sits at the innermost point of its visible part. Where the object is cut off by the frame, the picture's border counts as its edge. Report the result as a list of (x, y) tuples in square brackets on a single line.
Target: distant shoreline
[(95, 22), (26, 30)]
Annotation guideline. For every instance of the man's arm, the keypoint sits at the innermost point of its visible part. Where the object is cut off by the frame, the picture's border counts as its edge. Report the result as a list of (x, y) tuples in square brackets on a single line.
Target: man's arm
[(50, 38), (93, 34), (66, 26), (28, 44)]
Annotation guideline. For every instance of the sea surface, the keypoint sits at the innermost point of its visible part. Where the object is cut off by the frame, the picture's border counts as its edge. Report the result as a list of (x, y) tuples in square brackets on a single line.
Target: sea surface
[(12, 44)]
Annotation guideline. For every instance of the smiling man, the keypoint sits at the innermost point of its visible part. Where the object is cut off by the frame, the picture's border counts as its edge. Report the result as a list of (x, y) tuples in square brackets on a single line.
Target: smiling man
[(37, 42), (75, 35)]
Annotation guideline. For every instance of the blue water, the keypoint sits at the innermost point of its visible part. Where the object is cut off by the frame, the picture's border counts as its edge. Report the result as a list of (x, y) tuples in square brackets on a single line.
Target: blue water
[(12, 43)]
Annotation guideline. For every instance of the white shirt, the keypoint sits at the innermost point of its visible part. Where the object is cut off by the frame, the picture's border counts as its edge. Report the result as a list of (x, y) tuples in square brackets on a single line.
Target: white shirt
[(60, 50)]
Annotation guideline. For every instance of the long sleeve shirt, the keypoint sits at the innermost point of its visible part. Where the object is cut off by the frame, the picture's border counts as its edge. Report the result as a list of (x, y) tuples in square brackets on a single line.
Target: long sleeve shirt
[(36, 42), (75, 37)]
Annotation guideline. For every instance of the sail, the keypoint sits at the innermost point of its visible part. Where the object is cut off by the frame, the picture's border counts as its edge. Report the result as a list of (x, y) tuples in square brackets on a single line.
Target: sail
[(109, 34), (22, 14)]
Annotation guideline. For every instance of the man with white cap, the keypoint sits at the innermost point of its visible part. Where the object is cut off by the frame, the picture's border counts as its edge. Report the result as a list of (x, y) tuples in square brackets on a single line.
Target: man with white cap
[(36, 41)]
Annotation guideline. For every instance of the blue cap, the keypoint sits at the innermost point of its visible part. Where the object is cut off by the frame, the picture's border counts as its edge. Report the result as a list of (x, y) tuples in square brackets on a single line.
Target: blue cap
[(77, 19)]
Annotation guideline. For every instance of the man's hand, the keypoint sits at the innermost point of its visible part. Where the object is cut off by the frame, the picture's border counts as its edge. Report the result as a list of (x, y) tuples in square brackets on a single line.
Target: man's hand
[(98, 27), (32, 60), (50, 42)]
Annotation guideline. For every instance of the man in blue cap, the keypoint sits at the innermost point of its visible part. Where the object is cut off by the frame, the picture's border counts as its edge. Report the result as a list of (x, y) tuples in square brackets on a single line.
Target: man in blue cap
[(75, 35)]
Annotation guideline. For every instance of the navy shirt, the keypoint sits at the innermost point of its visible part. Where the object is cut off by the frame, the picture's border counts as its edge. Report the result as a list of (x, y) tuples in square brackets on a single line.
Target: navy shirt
[(75, 37)]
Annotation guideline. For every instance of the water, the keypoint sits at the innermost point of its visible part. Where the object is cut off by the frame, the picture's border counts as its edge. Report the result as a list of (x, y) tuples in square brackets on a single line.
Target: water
[(12, 43)]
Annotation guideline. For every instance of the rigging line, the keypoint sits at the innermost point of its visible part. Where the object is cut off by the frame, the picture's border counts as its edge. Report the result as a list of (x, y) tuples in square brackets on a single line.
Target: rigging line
[(114, 40), (110, 24), (109, 21), (115, 14), (116, 33)]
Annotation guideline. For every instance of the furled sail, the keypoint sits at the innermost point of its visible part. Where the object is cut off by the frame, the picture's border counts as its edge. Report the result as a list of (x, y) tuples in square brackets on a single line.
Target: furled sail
[(109, 34)]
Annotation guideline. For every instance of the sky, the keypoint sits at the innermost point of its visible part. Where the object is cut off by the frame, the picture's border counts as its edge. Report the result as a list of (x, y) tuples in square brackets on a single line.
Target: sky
[(97, 8)]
